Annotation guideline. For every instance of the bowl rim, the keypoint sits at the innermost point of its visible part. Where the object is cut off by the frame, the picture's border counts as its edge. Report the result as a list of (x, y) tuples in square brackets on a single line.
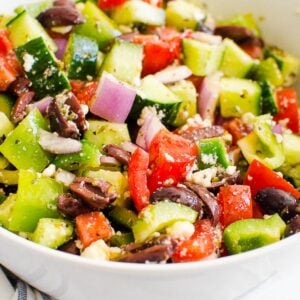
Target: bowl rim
[(151, 267)]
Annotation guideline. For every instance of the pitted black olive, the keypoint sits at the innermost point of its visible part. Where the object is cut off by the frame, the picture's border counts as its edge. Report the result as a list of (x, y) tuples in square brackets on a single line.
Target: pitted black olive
[(278, 201), (180, 195), (293, 226)]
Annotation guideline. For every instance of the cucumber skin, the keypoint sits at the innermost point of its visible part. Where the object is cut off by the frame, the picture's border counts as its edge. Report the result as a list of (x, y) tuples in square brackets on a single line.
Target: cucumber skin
[(45, 75), (81, 57)]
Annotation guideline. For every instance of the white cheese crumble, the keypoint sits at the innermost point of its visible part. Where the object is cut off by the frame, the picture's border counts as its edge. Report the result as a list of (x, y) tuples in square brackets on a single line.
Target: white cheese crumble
[(100, 251), (203, 177), (50, 170), (28, 62), (209, 159), (64, 177), (230, 170), (248, 118), (181, 229)]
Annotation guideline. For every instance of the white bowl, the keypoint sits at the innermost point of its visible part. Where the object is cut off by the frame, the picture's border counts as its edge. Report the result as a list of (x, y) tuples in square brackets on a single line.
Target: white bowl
[(69, 277)]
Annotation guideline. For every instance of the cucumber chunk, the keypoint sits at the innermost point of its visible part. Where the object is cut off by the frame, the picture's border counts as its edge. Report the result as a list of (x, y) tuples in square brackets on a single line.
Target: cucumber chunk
[(6, 125), (98, 25), (6, 104), (116, 62), (201, 58), (136, 12), (186, 92), (239, 96), (34, 9), (24, 28), (52, 233), (42, 68), (181, 15), (6, 208), (156, 217), (269, 70), (155, 94), (236, 62), (269, 101), (287, 63), (81, 57)]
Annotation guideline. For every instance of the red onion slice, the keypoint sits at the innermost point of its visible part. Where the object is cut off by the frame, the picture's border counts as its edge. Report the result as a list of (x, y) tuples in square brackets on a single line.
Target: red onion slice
[(61, 44), (41, 105), (128, 146), (277, 129), (173, 74), (109, 161), (113, 100), (151, 126), (209, 95)]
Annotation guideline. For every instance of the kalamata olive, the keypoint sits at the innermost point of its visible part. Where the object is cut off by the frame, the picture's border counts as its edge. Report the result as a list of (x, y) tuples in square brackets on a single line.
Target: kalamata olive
[(293, 226), (274, 200), (180, 195)]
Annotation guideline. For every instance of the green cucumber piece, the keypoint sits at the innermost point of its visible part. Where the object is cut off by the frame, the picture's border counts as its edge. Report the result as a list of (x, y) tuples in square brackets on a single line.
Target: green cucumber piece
[(88, 157), (292, 173), (116, 62), (103, 133), (157, 217), (6, 126), (287, 63), (21, 147), (42, 68), (34, 9), (239, 96), (98, 25), (6, 104), (186, 92), (121, 239), (244, 20), (236, 62), (269, 101), (36, 198), (123, 216), (155, 94), (203, 59), (213, 153), (138, 12), (262, 144), (24, 28), (268, 70), (80, 57), (291, 146), (181, 15), (6, 208), (52, 233), (245, 235)]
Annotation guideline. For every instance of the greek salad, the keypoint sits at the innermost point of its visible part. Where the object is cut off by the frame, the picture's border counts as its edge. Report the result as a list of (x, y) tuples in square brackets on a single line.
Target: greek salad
[(146, 131)]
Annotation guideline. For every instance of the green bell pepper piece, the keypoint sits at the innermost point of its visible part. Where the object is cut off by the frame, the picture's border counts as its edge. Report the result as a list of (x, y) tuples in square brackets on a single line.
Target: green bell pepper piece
[(88, 157), (156, 217), (21, 147), (123, 216), (9, 177), (119, 240), (245, 235), (262, 144), (36, 198), (6, 209), (213, 152), (52, 233)]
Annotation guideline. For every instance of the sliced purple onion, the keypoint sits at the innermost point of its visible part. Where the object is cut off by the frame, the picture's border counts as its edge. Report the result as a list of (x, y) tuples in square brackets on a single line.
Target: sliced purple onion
[(277, 129), (173, 74), (129, 147), (151, 126), (61, 44), (56, 144), (113, 100), (207, 38), (209, 95), (41, 105), (109, 161)]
